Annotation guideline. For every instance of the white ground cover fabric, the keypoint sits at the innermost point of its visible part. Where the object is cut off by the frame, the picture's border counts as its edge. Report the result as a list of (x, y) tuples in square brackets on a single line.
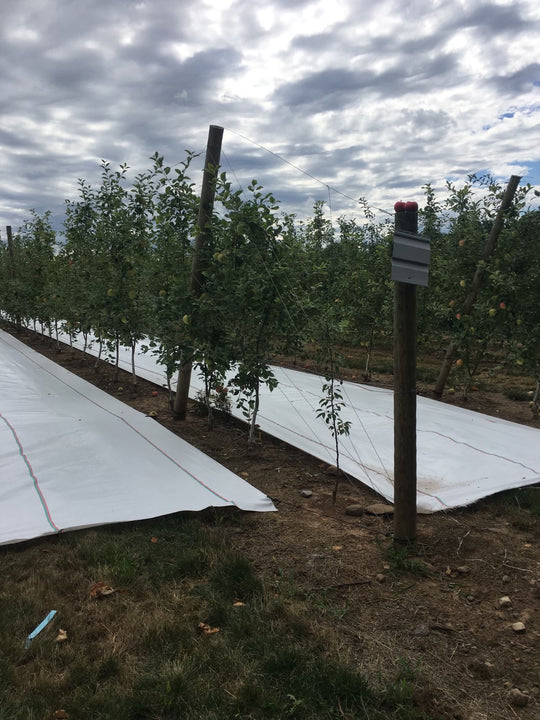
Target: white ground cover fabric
[(462, 455), (72, 456)]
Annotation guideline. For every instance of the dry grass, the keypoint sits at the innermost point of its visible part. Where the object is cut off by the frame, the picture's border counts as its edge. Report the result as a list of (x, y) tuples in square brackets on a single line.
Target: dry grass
[(139, 652)]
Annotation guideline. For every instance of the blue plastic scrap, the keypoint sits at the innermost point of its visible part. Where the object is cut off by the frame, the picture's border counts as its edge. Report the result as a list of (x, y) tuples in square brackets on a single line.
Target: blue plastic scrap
[(43, 624)]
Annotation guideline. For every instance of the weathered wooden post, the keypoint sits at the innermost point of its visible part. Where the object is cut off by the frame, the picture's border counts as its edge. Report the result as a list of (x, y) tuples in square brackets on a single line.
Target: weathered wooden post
[(410, 267), (12, 268), (10, 252), (489, 249), (206, 207)]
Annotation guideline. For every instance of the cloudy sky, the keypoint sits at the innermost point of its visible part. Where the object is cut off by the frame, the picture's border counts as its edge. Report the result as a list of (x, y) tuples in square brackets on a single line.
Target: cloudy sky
[(373, 99)]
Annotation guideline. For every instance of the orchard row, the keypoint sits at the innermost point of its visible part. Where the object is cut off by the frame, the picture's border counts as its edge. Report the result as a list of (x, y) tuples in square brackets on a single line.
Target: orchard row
[(271, 283)]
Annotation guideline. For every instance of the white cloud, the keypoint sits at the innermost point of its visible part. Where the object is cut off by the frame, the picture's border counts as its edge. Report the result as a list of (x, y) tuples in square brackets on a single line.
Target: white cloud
[(373, 99)]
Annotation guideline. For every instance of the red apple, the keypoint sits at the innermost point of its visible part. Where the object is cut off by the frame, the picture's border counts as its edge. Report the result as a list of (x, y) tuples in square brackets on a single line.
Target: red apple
[(399, 207), (411, 206)]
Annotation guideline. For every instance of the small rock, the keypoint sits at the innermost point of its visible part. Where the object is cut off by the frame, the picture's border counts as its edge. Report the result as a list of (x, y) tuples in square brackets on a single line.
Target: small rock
[(306, 493), (482, 670), (505, 602), (518, 627), (517, 698), (463, 569), (421, 630), (380, 578), (506, 578), (379, 509), (356, 510), (332, 470)]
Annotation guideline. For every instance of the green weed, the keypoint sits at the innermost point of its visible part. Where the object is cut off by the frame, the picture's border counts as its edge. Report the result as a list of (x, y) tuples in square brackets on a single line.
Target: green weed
[(403, 559)]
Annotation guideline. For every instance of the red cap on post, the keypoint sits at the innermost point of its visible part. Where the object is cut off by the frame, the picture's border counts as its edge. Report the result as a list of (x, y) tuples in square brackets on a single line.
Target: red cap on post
[(410, 206)]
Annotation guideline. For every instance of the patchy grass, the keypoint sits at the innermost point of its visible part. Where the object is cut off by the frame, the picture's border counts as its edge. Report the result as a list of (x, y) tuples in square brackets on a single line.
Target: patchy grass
[(403, 560), (520, 507), (426, 374), (516, 393), (189, 631)]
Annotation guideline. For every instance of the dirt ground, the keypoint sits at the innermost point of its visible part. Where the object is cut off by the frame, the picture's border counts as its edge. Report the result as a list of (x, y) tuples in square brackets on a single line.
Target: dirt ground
[(438, 617)]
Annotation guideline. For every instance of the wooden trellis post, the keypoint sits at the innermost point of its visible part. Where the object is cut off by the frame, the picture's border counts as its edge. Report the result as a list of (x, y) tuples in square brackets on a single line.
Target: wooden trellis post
[(206, 207), (410, 263)]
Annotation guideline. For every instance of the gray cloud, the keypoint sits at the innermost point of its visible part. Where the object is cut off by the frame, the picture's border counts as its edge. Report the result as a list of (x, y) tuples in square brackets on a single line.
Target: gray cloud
[(327, 89), (367, 98), (338, 88), (489, 19), (316, 43), (520, 81)]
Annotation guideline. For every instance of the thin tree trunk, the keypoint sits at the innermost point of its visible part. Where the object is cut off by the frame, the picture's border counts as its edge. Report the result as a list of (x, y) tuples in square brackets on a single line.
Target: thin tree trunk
[(534, 403), (116, 359), (210, 421), (98, 358), (336, 439), (251, 438), (133, 372), (367, 372)]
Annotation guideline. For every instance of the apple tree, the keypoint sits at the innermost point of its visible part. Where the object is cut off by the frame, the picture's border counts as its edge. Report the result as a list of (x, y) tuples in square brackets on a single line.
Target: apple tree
[(175, 212), (249, 293), (31, 291)]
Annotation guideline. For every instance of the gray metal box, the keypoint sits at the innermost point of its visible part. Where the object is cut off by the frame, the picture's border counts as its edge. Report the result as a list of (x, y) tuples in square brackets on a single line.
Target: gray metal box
[(409, 273), (410, 258)]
